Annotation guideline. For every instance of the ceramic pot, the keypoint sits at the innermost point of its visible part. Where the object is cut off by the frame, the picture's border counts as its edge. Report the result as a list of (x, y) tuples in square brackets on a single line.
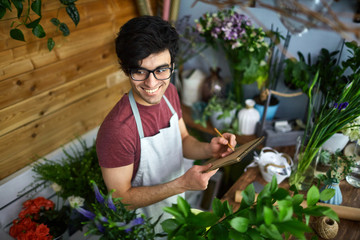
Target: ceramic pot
[(337, 198), (222, 123), (191, 91), (248, 118), (336, 142), (271, 110)]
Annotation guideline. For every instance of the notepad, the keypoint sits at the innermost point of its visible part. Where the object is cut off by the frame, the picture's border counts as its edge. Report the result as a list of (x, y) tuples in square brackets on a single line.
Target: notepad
[(235, 157)]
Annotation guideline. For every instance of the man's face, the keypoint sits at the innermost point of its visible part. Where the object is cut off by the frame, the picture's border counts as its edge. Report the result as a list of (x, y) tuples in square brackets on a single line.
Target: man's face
[(151, 90)]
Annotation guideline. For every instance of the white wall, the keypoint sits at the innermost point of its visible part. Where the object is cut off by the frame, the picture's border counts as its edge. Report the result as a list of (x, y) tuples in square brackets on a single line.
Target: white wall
[(310, 42)]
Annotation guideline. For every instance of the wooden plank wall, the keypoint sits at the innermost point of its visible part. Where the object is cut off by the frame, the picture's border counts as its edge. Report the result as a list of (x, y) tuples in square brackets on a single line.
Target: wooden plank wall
[(49, 98)]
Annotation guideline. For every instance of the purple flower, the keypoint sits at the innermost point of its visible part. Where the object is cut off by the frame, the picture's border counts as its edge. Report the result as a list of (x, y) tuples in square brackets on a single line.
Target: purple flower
[(85, 213), (98, 195), (129, 226), (110, 202), (99, 226)]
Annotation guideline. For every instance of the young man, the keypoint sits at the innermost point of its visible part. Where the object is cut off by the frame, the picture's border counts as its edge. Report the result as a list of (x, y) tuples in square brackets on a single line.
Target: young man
[(142, 141)]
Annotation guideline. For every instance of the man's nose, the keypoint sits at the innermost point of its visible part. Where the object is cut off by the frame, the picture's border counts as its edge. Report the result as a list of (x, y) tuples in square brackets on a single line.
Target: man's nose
[(151, 80)]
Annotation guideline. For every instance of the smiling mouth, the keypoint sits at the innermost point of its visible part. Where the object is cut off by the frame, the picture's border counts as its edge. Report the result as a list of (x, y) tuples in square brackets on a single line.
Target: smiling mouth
[(151, 90)]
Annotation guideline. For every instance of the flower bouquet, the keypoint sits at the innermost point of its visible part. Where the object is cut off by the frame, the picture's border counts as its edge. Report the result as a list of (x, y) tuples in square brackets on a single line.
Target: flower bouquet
[(40, 220), (243, 44), (112, 220)]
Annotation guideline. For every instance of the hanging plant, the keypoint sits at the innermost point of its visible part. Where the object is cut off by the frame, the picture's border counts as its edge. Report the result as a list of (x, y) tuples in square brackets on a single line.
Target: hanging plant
[(24, 18)]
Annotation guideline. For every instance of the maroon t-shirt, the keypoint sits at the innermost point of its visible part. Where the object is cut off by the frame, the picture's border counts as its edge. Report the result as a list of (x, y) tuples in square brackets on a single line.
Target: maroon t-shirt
[(118, 141)]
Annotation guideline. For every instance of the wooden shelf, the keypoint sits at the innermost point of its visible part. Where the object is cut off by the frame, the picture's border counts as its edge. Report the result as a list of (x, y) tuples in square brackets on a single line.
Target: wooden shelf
[(186, 111), (241, 139)]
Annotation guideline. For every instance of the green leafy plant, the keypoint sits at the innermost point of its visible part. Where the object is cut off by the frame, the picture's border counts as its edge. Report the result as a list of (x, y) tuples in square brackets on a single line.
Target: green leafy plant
[(71, 175), (217, 104), (274, 214), (340, 166), (111, 220), (244, 45), (26, 19)]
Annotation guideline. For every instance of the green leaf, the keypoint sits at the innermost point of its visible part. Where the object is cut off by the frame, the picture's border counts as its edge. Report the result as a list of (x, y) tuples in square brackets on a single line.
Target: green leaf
[(33, 23), (64, 29), (294, 227), (327, 194), (312, 196), (38, 31), (50, 44), (176, 213), (218, 232), (298, 199), (17, 34), (249, 195), (206, 219), (227, 208), (19, 7), (36, 7), (270, 231), (183, 206), (268, 215), (285, 210), (217, 207), (67, 2), (169, 225), (55, 21), (2, 12), (240, 224), (280, 194), (273, 184), (6, 4), (235, 235), (254, 234), (73, 13)]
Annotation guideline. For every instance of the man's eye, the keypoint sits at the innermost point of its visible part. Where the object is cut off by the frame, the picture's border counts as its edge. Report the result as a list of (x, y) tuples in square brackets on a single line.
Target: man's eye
[(140, 72), (161, 70)]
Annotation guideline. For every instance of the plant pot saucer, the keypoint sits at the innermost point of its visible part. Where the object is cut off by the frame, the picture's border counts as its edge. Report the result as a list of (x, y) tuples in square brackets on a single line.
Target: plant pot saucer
[(349, 151)]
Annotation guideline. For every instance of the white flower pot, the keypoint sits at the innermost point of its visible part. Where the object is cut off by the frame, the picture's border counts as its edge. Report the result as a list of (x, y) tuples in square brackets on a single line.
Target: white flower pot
[(336, 142)]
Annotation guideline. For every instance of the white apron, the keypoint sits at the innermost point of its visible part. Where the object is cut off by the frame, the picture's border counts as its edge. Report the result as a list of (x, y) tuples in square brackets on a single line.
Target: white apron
[(161, 161)]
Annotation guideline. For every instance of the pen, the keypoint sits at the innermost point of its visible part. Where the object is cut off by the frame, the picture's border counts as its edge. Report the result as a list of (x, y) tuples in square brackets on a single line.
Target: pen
[(225, 138)]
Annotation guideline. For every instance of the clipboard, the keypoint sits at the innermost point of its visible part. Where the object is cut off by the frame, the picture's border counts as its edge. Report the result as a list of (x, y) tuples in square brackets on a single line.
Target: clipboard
[(235, 157)]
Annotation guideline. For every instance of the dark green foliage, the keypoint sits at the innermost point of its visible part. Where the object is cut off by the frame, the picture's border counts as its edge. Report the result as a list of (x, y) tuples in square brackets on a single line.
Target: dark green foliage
[(273, 215), (73, 173), (24, 18)]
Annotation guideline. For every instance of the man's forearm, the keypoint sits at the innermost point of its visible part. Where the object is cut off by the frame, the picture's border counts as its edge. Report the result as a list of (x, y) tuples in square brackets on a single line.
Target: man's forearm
[(194, 149), (142, 196)]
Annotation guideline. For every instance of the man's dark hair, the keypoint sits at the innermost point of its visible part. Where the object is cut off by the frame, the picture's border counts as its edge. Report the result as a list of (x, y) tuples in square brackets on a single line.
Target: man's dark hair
[(143, 36)]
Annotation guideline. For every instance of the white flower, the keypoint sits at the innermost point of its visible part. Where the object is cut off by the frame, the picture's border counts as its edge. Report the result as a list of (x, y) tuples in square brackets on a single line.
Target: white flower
[(56, 187), (76, 201), (352, 131)]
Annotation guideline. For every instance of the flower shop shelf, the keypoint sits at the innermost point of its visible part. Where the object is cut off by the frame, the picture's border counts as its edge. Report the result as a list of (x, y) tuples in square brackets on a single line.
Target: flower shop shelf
[(348, 229)]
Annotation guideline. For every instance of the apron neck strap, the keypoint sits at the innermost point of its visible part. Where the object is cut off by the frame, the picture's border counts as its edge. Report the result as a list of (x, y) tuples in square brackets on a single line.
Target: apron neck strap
[(136, 113)]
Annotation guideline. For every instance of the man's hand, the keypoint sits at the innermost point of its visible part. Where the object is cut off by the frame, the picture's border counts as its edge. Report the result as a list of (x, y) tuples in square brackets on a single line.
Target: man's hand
[(219, 147), (196, 178)]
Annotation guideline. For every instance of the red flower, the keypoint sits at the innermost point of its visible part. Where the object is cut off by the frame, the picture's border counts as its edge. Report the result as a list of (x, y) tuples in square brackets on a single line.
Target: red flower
[(42, 230), (26, 227)]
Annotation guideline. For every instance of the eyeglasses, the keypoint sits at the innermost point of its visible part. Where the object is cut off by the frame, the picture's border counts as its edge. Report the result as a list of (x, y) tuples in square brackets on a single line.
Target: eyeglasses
[(161, 73)]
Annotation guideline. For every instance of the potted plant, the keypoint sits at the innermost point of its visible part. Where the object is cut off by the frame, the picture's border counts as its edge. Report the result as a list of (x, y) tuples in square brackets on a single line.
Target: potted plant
[(340, 166), (222, 113), (71, 175), (275, 214), (39, 219), (111, 220), (244, 45)]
